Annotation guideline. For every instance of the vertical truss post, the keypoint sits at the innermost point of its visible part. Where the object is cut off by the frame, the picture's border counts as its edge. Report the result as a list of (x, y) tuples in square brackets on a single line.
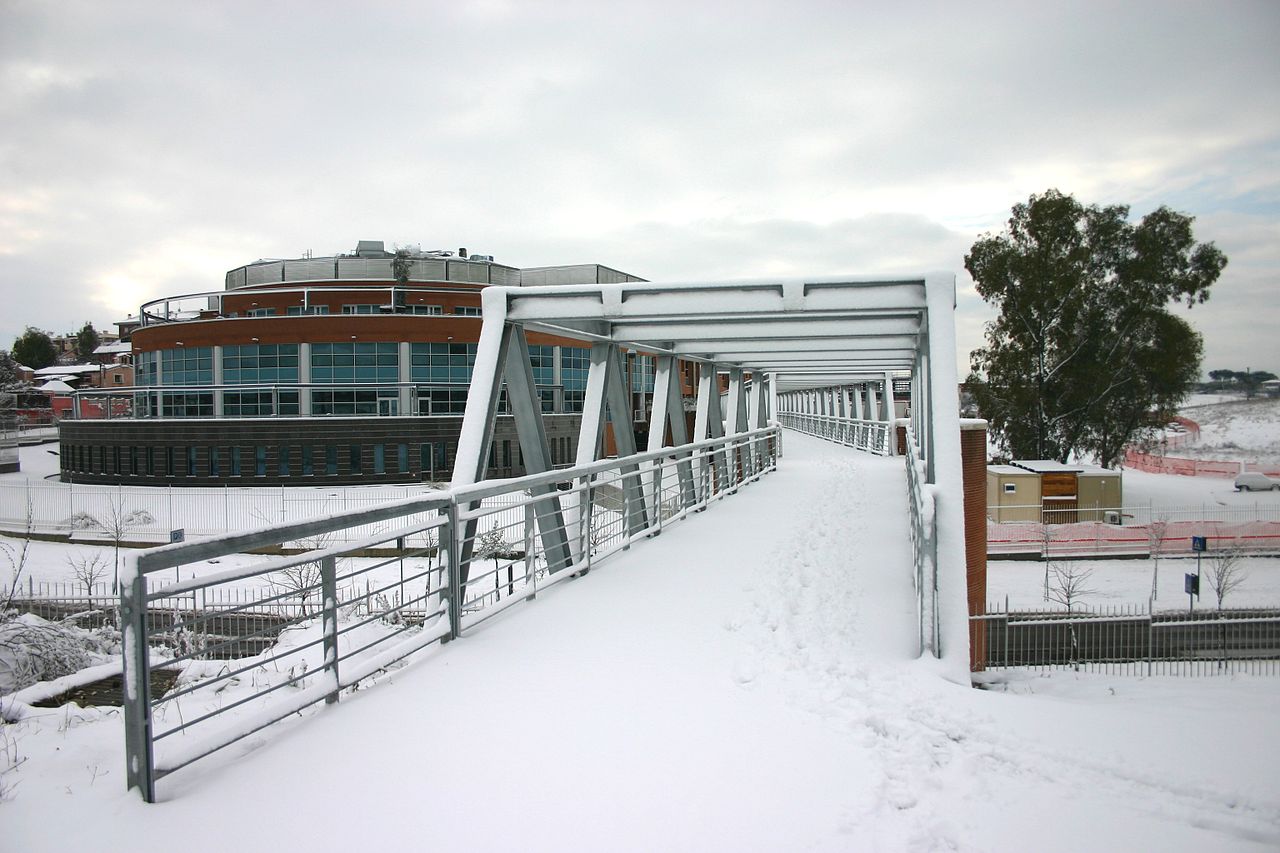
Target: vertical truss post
[(619, 406), (666, 398), (709, 423), (737, 413), (536, 451), (890, 415), (138, 748), (472, 460)]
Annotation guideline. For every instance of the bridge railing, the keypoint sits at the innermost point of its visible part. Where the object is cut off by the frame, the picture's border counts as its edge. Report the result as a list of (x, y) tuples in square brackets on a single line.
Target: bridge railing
[(871, 436), (924, 545), (346, 596)]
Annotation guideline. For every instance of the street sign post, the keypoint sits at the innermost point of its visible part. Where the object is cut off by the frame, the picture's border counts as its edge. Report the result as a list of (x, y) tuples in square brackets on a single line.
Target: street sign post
[(1192, 582)]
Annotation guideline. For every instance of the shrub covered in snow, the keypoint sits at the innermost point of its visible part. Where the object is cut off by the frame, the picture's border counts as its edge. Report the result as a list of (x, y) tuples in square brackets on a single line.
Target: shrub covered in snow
[(33, 650)]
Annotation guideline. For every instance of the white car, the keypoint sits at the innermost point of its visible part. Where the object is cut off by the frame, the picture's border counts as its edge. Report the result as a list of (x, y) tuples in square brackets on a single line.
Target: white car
[(1253, 482)]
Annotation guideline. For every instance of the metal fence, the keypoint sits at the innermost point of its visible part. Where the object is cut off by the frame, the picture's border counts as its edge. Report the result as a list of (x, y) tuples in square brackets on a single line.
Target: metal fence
[(1132, 641), (1097, 539), (147, 513), (871, 436), (379, 584)]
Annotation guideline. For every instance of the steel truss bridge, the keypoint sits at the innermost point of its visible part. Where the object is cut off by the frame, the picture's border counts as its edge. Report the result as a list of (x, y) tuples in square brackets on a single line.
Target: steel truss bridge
[(817, 355)]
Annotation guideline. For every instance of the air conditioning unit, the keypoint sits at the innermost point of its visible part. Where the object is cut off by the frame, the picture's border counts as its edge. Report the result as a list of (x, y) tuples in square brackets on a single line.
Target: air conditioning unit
[(1111, 516)]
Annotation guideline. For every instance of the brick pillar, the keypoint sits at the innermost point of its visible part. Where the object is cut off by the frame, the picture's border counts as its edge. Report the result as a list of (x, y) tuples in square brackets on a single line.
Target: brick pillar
[(973, 456)]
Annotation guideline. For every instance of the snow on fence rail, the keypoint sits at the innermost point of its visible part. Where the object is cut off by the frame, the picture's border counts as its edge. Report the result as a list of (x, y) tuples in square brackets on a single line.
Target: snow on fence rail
[(1093, 538), (421, 570), (1133, 641)]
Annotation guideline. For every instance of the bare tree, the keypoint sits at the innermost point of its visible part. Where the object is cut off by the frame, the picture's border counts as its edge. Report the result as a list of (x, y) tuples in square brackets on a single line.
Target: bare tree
[(16, 557), (1157, 530), (89, 569), (1069, 582), (493, 544), (116, 522), (1226, 570), (1046, 549)]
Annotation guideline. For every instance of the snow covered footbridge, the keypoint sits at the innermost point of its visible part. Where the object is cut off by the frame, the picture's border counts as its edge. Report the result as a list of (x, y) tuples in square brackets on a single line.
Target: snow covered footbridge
[(819, 356)]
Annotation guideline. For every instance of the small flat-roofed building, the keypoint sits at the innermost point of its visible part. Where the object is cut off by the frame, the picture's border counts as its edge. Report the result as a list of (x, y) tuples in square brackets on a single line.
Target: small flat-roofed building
[(1063, 492)]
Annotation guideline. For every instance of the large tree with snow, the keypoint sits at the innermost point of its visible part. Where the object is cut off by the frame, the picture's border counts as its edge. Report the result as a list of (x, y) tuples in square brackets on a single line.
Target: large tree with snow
[(1085, 354)]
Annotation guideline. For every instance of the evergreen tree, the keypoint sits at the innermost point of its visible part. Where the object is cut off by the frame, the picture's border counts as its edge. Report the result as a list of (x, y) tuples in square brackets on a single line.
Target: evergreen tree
[(1085, 354), (87, 340), (35, 349)]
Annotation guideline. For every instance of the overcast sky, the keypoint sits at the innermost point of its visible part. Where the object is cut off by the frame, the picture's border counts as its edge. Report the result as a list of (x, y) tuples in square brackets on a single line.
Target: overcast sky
[(146, 148)]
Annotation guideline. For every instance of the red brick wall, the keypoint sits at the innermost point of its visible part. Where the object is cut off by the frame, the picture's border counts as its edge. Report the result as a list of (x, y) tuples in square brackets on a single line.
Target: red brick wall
[(973, 455)]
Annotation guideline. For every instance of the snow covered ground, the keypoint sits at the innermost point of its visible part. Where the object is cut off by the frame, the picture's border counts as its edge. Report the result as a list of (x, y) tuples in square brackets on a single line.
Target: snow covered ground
[(745, 681), (1118, 583), (1241, 429)]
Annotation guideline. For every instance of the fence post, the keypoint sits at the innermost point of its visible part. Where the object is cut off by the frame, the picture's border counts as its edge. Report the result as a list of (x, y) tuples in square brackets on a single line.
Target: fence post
[(329, 622), (454, 556), (138, 748), (530, 542)]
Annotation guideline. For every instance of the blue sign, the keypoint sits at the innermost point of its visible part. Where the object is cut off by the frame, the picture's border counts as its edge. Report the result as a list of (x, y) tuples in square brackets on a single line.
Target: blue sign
[(1199, 543), (178, 535)]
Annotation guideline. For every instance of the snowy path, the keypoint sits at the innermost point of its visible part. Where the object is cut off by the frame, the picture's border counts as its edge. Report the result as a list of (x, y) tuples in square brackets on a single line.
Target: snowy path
[(745, 681)]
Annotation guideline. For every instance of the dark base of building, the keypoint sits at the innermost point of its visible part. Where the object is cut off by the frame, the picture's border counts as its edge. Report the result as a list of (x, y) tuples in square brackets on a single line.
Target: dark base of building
[(288, 451), (10, 467)]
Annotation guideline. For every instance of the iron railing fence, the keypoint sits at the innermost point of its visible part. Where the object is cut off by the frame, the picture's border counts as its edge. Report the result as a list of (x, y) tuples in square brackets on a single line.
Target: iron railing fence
[(376, 585), (1132, 640), (871, 436), (146, 514)]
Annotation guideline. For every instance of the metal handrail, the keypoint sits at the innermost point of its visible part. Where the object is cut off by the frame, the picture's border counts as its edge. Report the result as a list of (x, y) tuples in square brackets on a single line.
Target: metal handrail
[(491, 554)]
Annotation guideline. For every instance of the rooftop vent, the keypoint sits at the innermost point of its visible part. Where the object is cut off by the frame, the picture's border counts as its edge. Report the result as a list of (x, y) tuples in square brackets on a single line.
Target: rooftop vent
[(371, 249)]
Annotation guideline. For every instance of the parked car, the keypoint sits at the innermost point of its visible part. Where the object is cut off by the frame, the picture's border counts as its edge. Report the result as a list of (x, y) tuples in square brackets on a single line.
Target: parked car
[(1253, 482)]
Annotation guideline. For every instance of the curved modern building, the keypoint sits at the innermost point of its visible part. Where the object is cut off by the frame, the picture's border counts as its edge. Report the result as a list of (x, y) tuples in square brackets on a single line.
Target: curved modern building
[(335, 370)]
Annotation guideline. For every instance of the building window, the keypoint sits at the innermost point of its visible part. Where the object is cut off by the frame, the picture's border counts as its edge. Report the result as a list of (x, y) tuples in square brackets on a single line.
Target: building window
[(402, 459), (260, 364), (191, 461), (133, 461), (261, 312), (117, 378), (298, 310), (442, 363), (260, 461), (442, 401), (331, 459), (354, 455), (468, 311), (259, 404), (365, 363), (372, 401), (1010, 488), (168, 462), (235, 462), (428, 310), (575, 364), (642, 373), (180, 405), (187, 366), (151, 461), (379, 459), (361, 309), (308, 468), (282, 462), (425, 461), (215, 463)]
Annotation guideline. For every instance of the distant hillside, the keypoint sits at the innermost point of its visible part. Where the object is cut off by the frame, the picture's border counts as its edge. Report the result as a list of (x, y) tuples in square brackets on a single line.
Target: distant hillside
[(1235, 429)]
